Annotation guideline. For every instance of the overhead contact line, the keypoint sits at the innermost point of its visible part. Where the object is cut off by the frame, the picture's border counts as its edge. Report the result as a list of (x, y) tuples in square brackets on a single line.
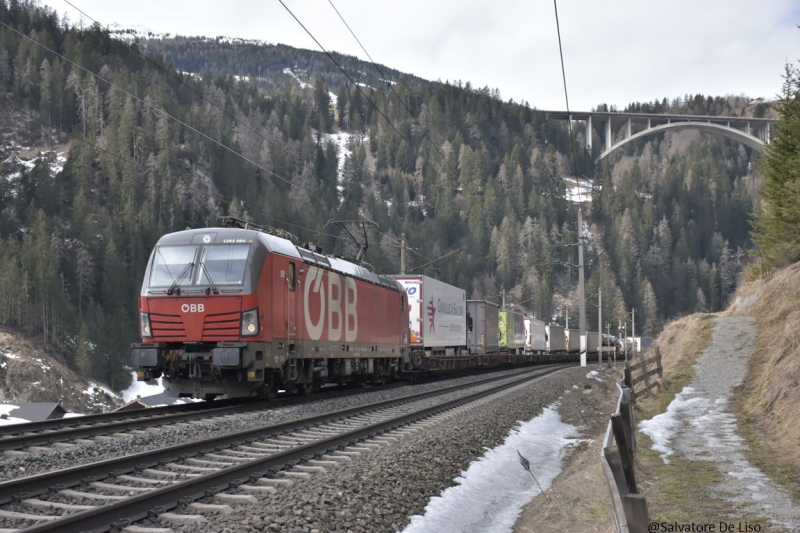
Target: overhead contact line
[(179, 80), (357, 86), (391, 87), (163, 113)]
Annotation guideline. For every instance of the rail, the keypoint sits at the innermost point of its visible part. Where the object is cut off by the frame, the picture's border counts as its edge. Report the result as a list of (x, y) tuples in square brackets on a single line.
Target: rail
[(161, 499)]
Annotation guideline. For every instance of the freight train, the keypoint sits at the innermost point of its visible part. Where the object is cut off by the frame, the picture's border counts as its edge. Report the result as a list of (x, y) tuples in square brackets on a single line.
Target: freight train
[(241, 312)]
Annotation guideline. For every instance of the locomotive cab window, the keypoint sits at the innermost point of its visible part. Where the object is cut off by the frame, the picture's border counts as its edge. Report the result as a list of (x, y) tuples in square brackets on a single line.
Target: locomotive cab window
[(223, 264), (290, 277), (172, 264)]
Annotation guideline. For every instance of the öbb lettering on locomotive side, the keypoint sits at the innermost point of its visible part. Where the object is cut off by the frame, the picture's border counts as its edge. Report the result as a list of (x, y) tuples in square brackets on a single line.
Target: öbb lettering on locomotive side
[(240, 312), (341, 304)]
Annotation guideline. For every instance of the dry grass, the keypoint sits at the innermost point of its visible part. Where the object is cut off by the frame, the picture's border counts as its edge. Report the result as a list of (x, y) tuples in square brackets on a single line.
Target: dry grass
[(681, 343), (580, 500), (683, 491), (768, 403)]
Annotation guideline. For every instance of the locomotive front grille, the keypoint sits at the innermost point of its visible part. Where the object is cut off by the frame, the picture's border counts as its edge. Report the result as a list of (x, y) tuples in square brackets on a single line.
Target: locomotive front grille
[(167, 327), (222, 327)]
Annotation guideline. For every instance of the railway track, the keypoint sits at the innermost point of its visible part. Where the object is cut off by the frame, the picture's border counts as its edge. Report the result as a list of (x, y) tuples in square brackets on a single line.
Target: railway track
[(228, 469), (49, 432)]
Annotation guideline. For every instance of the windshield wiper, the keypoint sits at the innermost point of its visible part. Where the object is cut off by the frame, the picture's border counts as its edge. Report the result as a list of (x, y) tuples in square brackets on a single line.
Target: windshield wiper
[(175, 284), (214, 289)]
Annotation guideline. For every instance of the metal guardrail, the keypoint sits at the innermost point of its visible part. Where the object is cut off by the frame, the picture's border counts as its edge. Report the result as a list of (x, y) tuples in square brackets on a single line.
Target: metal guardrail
[(629, 507)]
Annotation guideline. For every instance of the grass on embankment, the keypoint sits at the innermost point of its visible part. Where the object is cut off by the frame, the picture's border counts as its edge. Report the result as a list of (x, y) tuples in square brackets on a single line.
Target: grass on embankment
[(681, 491), (767, 404)]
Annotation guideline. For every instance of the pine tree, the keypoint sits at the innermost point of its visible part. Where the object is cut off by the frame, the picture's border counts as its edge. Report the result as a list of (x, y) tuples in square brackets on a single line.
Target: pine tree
[(84, 352), (777, 223)]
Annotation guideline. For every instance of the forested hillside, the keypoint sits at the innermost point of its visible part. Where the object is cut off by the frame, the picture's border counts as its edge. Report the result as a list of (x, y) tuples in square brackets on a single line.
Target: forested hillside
[(451, 166)]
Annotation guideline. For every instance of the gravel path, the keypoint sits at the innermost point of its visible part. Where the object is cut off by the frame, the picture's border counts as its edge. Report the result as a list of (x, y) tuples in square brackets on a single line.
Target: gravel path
[(379, 491), (699, 426)]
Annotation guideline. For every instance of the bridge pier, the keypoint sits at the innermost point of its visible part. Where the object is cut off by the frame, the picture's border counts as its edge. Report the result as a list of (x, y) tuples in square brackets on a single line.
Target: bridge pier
[(589, 133), (608, 135)]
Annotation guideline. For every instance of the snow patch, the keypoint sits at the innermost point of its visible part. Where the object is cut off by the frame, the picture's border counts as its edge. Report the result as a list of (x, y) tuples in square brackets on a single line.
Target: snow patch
[(290, 72), (6, 419), (94, 387), (142, 389), (491, 493), (578, 190), (594, 374)]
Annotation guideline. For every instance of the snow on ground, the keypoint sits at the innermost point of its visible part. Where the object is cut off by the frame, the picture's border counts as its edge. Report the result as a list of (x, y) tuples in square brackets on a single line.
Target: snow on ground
[(5, 419), (142, 389), (93, 387), (578, 190), (55, 166), (703, 429), (595, 374), (341, 140), (662, 427), (291, 73), (491, 493)]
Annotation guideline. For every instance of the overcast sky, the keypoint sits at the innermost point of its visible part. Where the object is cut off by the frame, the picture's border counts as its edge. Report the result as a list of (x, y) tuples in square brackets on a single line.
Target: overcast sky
[(615, 51)]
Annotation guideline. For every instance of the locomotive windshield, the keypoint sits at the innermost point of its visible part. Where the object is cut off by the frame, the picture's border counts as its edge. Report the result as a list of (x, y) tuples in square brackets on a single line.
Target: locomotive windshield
[(190, 267), (223, 264), (170, 262)]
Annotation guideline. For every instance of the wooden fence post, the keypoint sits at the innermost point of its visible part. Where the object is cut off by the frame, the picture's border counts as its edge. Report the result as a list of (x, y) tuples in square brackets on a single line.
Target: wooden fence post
[(625, 455)]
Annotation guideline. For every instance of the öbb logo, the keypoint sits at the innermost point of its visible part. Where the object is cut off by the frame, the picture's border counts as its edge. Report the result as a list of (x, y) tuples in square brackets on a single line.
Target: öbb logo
[(340, 291), (193, 308)]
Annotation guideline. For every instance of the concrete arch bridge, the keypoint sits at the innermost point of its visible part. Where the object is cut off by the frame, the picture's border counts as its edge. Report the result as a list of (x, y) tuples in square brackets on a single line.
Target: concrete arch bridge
[(752, 132)]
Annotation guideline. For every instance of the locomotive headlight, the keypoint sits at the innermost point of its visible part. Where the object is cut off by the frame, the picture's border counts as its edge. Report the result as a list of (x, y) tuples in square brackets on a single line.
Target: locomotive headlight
[(250, 322), (144, 324)]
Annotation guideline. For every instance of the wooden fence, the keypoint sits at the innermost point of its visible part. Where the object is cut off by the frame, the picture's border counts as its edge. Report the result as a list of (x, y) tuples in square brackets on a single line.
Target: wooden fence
[(616, 458), (642, 372)]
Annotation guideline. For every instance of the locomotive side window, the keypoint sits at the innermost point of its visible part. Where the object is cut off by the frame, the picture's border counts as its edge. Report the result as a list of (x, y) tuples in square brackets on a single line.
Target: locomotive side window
[(171, 263), (290, 277), (224, 264)]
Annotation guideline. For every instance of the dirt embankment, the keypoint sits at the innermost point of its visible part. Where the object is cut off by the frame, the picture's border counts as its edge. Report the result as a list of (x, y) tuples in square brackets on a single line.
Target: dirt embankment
[(767, 406), (30, 373), (768, 402)]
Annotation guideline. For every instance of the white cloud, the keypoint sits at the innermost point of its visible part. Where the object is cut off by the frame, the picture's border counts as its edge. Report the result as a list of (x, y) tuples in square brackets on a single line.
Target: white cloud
[(615, 52)]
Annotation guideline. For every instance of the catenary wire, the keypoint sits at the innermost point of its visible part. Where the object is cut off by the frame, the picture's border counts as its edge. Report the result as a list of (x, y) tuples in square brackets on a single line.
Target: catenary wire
[(112, 154), (272, 143), (179, 80), (164, 113), (569, 117), (357, 86), (391, 87), (215, 196)]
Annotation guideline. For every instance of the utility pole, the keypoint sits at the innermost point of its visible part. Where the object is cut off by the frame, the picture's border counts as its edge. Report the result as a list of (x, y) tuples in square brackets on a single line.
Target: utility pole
[(633, 332), (581, 290), (503, 296), (402, 253), (600, 327), (625, 342)]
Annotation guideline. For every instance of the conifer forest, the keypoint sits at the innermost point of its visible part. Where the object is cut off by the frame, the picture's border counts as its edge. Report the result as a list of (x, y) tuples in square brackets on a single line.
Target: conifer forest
[(105, 147)]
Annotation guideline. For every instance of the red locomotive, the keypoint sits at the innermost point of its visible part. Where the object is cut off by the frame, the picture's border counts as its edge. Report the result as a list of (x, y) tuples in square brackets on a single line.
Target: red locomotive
[(240, 312)]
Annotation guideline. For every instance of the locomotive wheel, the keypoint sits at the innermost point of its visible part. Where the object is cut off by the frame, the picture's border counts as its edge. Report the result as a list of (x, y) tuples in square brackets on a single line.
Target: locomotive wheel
[(305, 389), (270, 388)]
